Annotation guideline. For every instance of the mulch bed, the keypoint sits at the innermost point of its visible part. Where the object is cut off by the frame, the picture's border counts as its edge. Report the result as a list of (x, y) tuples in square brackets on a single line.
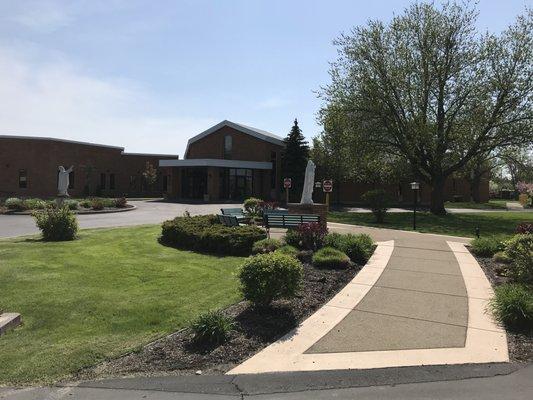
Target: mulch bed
[(520, 344), (254, 330)]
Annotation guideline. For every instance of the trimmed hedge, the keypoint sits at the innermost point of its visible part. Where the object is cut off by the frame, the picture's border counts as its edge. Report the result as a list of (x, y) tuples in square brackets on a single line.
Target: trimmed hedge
[(205, 234), (328, 257), (268, 277)]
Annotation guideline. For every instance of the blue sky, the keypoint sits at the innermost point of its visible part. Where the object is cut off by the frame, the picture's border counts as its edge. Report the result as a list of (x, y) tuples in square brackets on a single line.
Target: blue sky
[(148, 75)]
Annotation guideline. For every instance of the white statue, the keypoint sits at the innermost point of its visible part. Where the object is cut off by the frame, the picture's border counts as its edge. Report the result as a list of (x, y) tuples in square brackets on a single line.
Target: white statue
[(63, 181), (309, 183)]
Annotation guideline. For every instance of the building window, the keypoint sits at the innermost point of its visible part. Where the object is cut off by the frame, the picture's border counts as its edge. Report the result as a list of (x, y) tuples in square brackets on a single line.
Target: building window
[(274, 171), (23, 179), (228, 146), (165, 183), (112, 181), (71, 180), (102, 180)]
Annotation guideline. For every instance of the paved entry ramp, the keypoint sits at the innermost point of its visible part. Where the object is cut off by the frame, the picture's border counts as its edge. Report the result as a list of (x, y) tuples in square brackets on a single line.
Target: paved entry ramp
[(419, 302)]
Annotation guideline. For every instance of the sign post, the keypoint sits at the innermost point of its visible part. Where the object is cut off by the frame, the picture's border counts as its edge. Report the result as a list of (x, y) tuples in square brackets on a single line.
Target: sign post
[(287, 183), (327, 187)]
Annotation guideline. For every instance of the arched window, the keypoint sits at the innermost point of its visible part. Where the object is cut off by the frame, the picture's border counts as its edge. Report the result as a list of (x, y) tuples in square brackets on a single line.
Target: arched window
[(228, 146)]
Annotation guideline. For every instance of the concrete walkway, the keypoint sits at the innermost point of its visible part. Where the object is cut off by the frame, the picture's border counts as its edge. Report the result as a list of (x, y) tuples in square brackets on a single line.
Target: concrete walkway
[(420, 300)]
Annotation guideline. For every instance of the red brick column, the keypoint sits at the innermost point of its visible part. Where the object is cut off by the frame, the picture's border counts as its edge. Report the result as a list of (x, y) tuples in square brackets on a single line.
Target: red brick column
[(318, 209)]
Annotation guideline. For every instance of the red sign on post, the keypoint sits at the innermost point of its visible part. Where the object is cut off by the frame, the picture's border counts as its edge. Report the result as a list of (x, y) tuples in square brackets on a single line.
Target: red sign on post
[(327, 185), (287, 183)]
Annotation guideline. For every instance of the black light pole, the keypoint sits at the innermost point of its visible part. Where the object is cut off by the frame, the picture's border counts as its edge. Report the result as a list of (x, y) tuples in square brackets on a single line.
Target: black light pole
[(415, 186)]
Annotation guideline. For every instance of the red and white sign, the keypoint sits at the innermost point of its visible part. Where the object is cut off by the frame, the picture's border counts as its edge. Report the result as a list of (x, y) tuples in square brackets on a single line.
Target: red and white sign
[(287, 183), (327, 185)]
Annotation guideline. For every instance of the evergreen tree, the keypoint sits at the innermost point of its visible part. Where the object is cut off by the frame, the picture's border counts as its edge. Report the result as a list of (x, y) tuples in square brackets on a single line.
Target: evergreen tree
[(295, 160)]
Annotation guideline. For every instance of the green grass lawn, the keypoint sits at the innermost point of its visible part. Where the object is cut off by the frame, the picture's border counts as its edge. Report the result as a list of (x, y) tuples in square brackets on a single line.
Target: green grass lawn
[(108, 292), (490, 205), (494, 223)]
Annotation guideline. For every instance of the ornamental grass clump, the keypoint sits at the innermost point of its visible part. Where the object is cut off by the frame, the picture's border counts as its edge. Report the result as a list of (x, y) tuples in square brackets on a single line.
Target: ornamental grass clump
[(358, 247), (212, 328), (57, 224), (268, 277), (266, 246), (330, 258), (512, 306), (487, 246), (15, 204)]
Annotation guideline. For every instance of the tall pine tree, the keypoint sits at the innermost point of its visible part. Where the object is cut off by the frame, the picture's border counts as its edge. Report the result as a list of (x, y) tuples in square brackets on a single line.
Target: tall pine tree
[(295, 160)]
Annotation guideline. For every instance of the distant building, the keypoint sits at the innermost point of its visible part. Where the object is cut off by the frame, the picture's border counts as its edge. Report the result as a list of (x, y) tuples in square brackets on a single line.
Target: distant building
[(227, 162), (28, 168)]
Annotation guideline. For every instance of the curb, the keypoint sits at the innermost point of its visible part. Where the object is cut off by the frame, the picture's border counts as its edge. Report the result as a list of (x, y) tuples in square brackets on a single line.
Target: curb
[(82, 212)]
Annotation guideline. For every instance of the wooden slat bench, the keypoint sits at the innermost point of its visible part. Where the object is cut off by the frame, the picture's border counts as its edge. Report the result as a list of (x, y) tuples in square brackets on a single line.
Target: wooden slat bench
[(228, 220), (288, 220), (235, 212)]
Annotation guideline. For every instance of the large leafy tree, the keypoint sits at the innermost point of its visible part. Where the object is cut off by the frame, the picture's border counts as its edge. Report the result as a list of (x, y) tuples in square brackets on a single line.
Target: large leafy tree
[(429, 89), (295, 159)]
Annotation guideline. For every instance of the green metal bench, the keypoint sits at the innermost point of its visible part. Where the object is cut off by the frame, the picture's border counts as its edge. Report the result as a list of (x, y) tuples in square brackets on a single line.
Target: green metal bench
[(288, 220), (228, 220), (235, 212)]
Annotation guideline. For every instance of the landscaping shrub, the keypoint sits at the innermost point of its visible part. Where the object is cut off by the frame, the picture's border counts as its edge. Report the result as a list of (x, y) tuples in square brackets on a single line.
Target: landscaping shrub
[(328, 257), (121, 202), (266, 246), (308, 236), (34, 204), (524, 228), (519, 250), (288, 250), (501, 257), (87, 203), (268, 277), (57, 224), (205, 234), (71, 204), (212, 328), (512, 306), (487, 246), (253, 207), (358, 248), (14, 203), (378, 201), (97, 204)]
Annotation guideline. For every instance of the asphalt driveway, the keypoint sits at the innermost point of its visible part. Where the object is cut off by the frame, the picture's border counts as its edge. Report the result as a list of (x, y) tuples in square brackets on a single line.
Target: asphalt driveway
[(147, 212)]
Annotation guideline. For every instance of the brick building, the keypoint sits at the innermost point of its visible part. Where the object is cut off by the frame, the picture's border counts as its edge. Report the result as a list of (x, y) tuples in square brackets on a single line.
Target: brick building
[(28, 168), (228, 161)]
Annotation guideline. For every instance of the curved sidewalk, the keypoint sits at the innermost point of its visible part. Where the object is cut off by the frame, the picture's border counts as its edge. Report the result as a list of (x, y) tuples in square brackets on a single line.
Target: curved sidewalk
[(420, 300)]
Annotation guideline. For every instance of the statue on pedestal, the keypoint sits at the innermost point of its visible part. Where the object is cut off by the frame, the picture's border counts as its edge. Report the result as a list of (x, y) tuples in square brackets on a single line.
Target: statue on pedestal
[(309, 183), (63, 181)]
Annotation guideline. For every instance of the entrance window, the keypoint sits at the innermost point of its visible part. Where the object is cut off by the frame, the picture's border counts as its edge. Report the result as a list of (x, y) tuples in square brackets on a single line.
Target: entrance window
[(194, 183), (111, 181), (71, 180), (236, 183), (273, 172), (23, 179), (228, 146)]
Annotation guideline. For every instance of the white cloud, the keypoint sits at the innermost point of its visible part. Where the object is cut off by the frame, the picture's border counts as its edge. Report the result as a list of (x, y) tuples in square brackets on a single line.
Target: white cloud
[(58, 99), (42, 16)]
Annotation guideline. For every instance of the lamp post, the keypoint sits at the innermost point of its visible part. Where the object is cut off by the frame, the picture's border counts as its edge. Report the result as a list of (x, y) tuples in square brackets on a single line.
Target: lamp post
[(415, 186)]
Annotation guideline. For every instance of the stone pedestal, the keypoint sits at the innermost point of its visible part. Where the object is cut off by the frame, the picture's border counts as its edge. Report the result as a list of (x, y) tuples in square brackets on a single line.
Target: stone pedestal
[(9, 321), (317, 208)]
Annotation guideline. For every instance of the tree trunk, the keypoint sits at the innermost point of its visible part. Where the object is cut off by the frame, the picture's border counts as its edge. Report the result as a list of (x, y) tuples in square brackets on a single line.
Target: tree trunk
[(437, 197)]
